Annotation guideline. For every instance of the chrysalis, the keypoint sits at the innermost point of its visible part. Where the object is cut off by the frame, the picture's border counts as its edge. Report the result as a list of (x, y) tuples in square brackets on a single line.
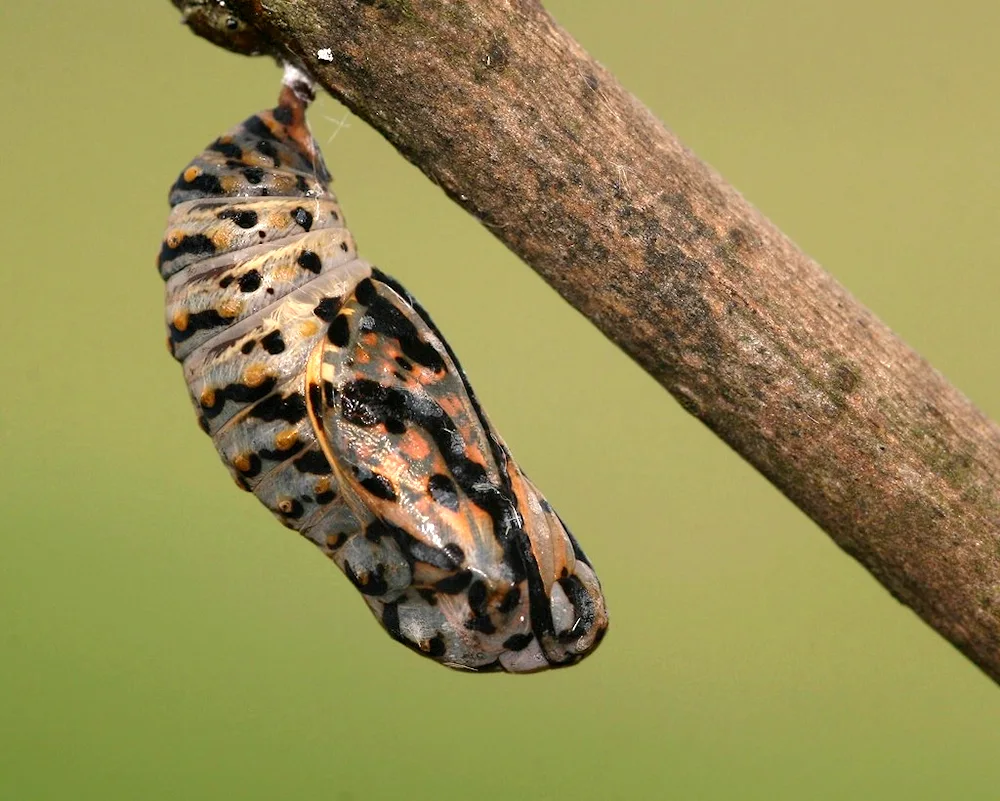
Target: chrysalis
[(331, 395)]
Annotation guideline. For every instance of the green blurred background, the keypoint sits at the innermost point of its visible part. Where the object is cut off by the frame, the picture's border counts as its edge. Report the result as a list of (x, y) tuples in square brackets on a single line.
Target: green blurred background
[(162, 637)]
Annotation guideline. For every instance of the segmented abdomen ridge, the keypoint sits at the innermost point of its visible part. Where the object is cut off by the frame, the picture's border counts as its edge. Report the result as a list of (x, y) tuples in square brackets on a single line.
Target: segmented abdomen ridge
[(256, 260)]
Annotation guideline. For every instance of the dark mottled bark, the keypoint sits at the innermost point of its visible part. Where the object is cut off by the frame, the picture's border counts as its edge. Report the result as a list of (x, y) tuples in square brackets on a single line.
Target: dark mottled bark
[(507, 113)]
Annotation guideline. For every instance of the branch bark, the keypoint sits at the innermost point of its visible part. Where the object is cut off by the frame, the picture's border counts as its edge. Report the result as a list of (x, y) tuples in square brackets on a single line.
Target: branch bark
[(520, 126)]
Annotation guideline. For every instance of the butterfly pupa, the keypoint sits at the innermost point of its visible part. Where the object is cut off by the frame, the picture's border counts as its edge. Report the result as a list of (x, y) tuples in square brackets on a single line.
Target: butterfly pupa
[(331, 395)]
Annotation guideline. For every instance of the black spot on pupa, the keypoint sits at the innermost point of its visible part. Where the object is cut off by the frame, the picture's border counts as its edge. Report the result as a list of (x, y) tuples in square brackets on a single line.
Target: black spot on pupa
[(286, 452), (248, 346), (205, 184), (442, 490), (199, 321), (244, 218), (315, 396), (339, 332), (370, 583), (365, 292), (376, 530), (394, 426), (518, 642), (379, 486), (436, 646), (477, 598), (290, 409), (325, 497), (393, 284), (302, 218), (267, 149), (390, 620), (256, 126), (480, 620), (273, 343), (308, 260), (327, 309), (193, 245), (253, 467), (283, 114), (238, 393), (480, 623), (250, 281), (254, 175), (313, 462), (290, 508), (343, 247), (454, 584), (227, 149)]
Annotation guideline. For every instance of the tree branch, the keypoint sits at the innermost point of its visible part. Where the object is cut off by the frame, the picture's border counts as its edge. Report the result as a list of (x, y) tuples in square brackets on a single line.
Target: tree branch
[(521, 127)]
